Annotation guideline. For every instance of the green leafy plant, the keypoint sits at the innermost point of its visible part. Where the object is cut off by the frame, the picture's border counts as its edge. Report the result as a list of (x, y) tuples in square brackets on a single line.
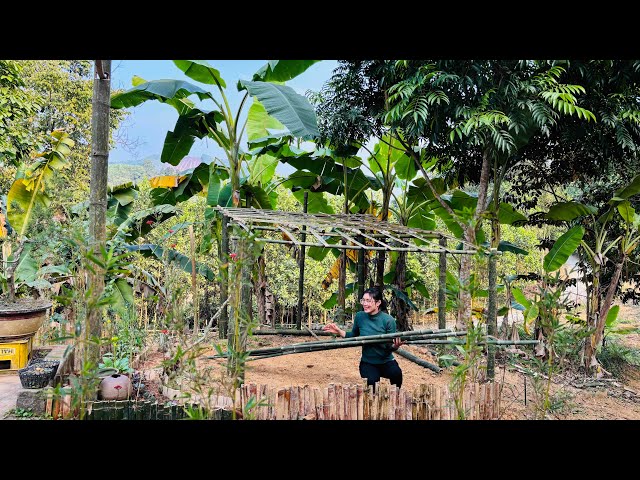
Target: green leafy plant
[(28, 191), (121, 364)]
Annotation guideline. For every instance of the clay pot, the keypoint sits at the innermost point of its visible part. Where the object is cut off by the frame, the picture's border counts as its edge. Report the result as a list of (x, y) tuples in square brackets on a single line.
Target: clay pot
[(115, 387), (22, 319)]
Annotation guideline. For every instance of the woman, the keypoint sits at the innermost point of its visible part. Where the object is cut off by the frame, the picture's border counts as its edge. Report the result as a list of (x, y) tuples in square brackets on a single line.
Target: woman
[(377, 360)]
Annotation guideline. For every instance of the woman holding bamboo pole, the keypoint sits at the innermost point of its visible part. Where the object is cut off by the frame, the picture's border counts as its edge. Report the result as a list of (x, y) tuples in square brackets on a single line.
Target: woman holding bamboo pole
[(377, 360)]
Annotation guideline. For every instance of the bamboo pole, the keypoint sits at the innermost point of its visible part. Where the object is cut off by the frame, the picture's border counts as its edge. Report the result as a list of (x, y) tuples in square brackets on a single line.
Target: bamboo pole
[(442, 285), (423, 363), (224, 277), (292, 332), (492, 325), (194, 282), (359, 402), (301, 259), (353, 402)]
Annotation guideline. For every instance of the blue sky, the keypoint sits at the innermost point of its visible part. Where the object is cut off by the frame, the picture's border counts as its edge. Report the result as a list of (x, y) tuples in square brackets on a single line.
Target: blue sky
[(147, 125)]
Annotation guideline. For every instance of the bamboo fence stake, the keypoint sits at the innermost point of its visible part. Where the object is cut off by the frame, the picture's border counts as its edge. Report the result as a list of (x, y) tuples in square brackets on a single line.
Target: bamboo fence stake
[(339, 402), (280, 404), (353, 400), (360, 402), (307, 402), (393, 398), (366, 401), (384, 399), (408, 406), (293, 403), (478, 400), (326, 414), (332, 402)]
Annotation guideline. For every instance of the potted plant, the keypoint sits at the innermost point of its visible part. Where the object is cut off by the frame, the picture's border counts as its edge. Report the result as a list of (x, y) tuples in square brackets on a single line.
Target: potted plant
[(22, 312), (117, 385)]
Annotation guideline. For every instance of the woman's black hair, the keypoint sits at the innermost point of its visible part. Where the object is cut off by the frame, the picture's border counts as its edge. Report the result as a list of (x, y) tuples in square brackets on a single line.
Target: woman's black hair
[(376, 294)]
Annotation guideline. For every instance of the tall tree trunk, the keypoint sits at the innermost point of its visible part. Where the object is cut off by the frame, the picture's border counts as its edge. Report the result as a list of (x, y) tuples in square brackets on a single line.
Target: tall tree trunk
[(464, 306), (380, 260), (591, 345), (401, 309), (98, 195)]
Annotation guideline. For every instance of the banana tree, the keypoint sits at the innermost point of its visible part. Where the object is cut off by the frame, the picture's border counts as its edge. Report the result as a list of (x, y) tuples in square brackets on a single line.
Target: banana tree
[(28, 191), (619, 210)]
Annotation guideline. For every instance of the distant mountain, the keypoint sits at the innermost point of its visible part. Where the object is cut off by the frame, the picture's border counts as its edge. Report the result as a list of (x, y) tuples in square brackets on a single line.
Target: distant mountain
[(154, 159)]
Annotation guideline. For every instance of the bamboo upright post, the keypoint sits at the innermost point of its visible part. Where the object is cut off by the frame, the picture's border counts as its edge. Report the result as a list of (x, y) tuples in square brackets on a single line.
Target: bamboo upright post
[(360, 402), (303, 236), (492, 319), (224, 278), (442, 285), (194, 282), (361, 270)]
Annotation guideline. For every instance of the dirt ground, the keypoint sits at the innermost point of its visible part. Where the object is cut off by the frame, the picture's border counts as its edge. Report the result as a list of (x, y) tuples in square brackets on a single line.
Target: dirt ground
[(574, 397)]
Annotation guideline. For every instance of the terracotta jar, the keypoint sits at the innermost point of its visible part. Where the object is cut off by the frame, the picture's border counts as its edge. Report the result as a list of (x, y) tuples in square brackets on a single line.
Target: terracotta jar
[(115, 387)]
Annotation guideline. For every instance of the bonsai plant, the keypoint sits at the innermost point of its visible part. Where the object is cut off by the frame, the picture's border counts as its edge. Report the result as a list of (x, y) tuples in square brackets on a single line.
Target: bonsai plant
[(21, 314)]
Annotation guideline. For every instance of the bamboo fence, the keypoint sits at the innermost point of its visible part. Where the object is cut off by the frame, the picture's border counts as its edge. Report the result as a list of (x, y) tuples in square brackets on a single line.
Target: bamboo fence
[(359, 402)]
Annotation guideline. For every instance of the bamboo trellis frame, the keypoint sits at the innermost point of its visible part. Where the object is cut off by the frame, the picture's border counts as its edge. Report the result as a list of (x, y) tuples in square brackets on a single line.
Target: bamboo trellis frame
[(349, 232), (382, 234)]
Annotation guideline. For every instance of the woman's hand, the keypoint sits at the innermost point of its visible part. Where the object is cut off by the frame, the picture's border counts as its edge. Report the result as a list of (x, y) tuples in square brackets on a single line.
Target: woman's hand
[(333, 328), (397, 342)]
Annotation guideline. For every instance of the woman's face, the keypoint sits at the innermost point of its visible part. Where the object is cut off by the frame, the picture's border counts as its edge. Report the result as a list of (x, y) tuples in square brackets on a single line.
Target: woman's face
[(370, 305)]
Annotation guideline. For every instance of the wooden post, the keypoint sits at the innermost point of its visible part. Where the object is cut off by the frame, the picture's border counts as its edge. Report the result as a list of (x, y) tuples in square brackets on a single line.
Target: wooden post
[(360, 402), (224, 278), (361, 272), (303, 236), (492, 319), (442, 285)]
